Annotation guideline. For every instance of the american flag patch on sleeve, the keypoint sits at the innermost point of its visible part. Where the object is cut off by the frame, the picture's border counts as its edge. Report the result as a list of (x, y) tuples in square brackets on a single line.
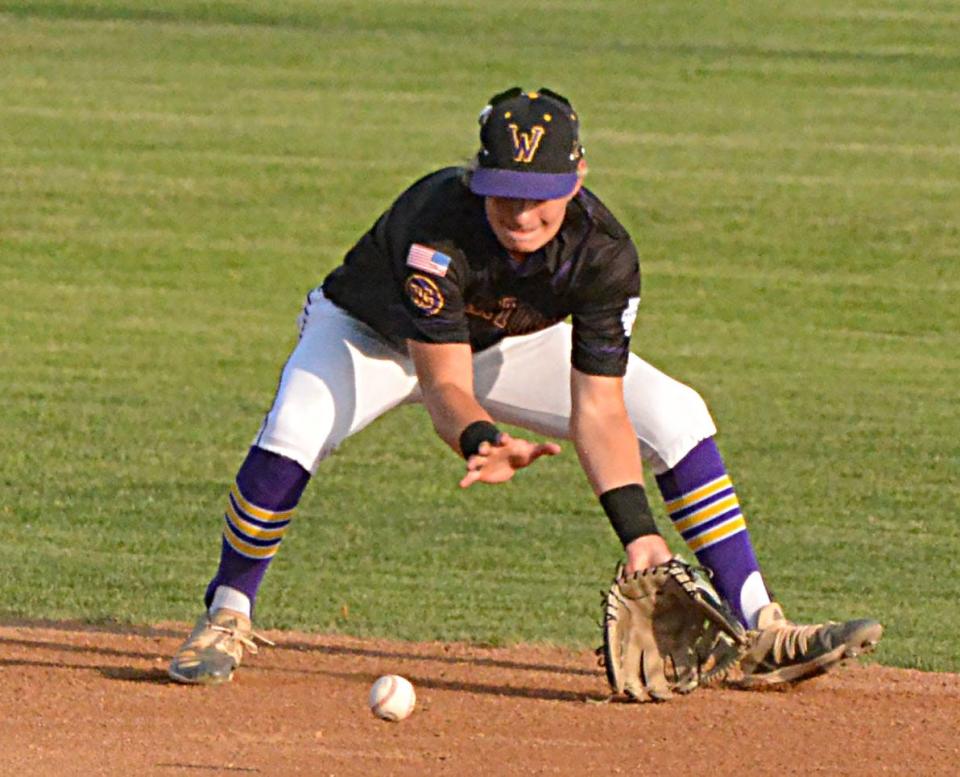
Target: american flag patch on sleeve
[(428, 260)]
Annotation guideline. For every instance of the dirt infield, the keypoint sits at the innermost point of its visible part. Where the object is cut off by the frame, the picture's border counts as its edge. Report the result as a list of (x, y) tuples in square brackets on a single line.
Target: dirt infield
[(81, 700)]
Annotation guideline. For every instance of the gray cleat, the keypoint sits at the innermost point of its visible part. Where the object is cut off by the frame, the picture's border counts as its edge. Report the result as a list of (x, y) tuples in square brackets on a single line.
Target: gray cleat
[(214, 648), (784, 652)]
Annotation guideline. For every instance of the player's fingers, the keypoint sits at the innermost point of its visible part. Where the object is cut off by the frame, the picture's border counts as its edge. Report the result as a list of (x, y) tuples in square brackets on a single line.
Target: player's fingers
[(476, 461), (544, 449), (488, 475), (487, 447)]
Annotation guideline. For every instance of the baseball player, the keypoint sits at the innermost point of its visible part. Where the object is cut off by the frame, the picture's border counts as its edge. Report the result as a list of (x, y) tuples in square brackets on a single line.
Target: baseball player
[(503, 292)]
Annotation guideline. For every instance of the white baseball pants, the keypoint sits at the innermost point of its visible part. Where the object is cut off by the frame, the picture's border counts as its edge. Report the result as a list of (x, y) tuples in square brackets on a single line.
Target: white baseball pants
[(341, 376)]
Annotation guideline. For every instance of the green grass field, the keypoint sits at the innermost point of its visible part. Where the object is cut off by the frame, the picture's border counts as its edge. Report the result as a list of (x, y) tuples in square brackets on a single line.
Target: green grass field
[(175, 176)]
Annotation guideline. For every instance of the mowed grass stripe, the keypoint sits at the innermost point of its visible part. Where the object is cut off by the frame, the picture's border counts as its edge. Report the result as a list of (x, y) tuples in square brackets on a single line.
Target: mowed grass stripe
[(754, 142), (760, 142), (800, 180), (925, 17)]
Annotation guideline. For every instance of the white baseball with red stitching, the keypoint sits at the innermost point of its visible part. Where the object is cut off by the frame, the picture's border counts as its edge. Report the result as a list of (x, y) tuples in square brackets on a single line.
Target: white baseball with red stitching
[(392, 697)]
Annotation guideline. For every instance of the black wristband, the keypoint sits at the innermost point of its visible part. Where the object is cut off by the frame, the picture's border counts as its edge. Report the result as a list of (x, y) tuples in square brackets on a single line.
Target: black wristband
[(476, 433), (629, 512)]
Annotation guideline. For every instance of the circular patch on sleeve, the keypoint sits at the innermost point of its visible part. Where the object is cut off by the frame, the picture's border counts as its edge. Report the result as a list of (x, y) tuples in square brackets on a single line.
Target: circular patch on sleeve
[(424, 294)]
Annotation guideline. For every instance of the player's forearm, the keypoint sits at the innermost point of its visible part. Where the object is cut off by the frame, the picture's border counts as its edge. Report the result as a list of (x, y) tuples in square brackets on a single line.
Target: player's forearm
[(607, 447), (610, 455), (602, 432), (445, 372), (452, 409)]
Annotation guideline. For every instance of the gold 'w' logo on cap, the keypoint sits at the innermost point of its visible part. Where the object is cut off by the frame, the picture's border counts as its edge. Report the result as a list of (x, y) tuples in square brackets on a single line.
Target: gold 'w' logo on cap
[(525, 144)]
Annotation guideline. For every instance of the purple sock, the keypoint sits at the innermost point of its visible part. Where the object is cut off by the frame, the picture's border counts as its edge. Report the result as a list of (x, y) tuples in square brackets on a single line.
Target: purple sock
[(704, 508), (259, 509)]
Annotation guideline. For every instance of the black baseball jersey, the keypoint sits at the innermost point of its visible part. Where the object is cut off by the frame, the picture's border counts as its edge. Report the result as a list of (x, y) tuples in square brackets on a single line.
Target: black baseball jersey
[(431, 270)]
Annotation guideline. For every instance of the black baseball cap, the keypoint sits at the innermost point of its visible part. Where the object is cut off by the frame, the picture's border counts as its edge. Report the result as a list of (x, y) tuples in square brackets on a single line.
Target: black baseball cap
[(530, 146)]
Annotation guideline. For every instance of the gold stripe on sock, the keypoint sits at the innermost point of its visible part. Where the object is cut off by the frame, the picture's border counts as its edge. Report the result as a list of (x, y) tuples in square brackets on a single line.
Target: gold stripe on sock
[(698, 494), (245, 548), (259, 512), (707, 513), (717, 533), (252, 529)]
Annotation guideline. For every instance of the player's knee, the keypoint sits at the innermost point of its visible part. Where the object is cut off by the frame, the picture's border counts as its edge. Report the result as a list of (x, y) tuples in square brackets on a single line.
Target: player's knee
[(667, 417), (304, 431), (693, 408)]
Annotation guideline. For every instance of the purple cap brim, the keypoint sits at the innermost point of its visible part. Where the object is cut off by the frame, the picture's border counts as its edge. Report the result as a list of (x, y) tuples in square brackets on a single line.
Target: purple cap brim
[(493, 182)]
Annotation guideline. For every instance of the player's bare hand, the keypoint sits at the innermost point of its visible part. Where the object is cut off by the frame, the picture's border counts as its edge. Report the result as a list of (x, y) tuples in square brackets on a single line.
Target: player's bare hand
[(497, 463)]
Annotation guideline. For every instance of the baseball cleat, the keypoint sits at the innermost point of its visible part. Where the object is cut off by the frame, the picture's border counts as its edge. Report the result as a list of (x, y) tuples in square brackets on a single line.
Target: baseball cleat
[(214, 648), (785, 652)]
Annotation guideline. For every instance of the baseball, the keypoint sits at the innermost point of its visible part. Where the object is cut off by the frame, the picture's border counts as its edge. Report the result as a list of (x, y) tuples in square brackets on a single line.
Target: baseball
[(392, 697)]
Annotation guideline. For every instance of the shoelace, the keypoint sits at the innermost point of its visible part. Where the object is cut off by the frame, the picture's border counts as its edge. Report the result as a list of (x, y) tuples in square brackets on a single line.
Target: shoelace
[(793, 640), (249, 642)]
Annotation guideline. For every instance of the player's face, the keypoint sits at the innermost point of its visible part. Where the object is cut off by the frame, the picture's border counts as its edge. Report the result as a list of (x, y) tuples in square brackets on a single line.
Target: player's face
[(525, 226)]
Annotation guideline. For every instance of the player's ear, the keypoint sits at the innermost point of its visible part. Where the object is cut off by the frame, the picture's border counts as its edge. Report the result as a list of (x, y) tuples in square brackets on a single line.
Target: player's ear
[(581, 174)]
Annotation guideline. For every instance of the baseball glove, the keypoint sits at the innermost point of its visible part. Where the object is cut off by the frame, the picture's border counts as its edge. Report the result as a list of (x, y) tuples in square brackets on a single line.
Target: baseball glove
[(666, 631)]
